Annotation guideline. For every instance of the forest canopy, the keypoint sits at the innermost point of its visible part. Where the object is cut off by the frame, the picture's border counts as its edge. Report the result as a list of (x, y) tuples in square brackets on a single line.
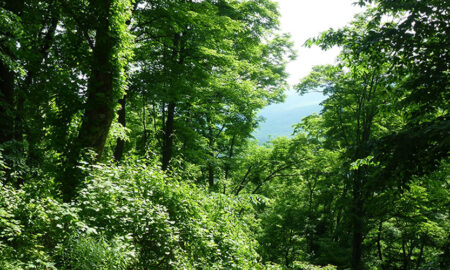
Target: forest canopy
[(126, 138)]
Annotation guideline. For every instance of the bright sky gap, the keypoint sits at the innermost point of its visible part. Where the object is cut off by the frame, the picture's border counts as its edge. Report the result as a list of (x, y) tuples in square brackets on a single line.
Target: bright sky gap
[(304, 19)]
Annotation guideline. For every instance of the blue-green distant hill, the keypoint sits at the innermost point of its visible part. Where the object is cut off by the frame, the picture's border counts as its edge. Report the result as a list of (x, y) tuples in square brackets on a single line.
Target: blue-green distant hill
[(279, 118)]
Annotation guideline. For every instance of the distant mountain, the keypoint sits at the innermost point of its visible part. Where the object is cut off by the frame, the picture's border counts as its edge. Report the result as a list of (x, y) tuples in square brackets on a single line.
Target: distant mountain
[(279, 118)]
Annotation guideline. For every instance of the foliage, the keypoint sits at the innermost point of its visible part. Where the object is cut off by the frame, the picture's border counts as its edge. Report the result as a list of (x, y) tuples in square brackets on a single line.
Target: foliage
[(88, 252), (166, 94), (307, 266), (174, 224), (389, 122), (32, 226), (130, 215)]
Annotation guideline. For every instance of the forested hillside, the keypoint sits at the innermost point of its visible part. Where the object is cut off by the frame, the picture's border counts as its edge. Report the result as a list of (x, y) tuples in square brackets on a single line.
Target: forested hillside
[(279, 118), (126, 138)]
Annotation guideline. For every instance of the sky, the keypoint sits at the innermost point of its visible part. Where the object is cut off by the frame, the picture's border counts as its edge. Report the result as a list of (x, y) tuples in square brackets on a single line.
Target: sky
[(304, 19)]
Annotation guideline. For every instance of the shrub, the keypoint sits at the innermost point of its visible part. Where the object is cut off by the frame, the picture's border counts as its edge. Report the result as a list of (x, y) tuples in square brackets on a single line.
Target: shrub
[(90, 252), (307, 266), (173, 223)]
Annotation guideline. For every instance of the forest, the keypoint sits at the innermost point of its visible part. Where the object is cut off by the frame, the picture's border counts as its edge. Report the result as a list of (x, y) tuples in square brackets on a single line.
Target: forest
[(126, 138)]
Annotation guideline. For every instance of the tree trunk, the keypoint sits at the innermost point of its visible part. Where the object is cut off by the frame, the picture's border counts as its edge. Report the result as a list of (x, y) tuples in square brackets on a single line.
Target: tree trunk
[(380, 253), (309, 231), (8, 119), (404, 256), (34, 135), (168, 136), (7, 94), (99, 109), (419, 260), (118, 152), (210, 175), (6, 103), (357, 223), (168, 133), (357, 239), (230, 156)]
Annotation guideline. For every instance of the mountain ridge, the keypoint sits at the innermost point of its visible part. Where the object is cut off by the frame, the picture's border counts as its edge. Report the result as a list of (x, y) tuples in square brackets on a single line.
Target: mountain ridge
[(279, 118)]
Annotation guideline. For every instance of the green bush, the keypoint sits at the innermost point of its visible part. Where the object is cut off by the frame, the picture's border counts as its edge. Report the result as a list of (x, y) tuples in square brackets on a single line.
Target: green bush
[(307, 266), (131, 216), (173, 223), (89, 252), (32, 227)]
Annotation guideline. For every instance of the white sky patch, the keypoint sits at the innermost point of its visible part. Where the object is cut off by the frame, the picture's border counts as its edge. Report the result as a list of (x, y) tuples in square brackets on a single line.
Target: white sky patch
[(304, 19)]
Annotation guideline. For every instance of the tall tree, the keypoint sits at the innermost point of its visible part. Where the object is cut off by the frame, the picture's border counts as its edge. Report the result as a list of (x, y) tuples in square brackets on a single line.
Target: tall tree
[(28, 31), (200, 65), (400, 56), (108, 19)]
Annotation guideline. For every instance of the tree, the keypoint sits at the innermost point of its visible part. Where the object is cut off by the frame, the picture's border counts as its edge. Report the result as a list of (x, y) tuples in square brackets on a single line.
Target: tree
[(105, 86), (200, 65), (374, 109), (350, 118)]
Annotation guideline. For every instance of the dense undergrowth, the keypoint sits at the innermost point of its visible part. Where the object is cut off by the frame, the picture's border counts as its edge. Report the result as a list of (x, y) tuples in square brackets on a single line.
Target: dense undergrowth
[(131, 216)]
